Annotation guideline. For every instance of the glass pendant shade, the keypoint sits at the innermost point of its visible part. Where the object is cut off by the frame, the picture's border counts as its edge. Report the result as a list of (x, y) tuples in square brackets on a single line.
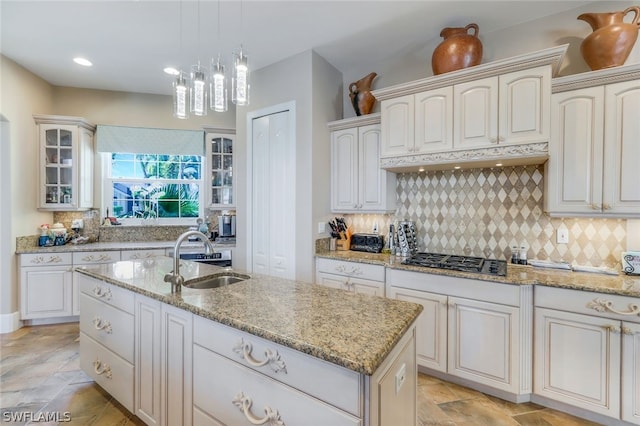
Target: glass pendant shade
[(240, 80), (198, 91), (218, 87), (180, 96)]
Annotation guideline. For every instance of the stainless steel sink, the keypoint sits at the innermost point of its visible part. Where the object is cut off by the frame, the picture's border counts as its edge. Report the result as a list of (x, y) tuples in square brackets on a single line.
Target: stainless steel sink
[(215, 281)]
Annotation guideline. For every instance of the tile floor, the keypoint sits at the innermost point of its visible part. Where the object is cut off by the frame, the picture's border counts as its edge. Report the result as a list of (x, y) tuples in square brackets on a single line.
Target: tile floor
[(40, 373)]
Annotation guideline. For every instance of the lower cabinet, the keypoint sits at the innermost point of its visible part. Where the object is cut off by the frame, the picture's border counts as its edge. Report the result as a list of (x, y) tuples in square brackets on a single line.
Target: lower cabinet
[(483, 338), (46, 286), (350, 276), (587, 352)]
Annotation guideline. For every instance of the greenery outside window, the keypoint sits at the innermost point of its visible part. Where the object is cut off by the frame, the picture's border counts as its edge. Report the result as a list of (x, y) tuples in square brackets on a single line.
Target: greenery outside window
[(154, 188)]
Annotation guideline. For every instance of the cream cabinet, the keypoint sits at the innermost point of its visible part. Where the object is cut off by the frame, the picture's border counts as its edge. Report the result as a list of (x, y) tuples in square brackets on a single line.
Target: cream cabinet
[(586, 352), (45, 285), (357, 182), (480, 339), (219, 146), (86, 258), (594, 152), (66, 163), (350, 276)]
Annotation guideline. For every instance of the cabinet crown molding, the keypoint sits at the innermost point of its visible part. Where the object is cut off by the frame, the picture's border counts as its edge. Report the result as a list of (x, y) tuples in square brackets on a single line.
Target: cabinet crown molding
[(551, 56), (64, 119), (349, 123), (595, 78)]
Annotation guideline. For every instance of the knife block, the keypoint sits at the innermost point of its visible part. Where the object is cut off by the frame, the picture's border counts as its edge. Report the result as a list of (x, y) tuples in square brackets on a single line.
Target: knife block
[(342, 245)]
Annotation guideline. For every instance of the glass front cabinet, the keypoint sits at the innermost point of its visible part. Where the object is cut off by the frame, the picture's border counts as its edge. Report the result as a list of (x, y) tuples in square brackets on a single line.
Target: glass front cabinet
[(220, 194), (66, 163)]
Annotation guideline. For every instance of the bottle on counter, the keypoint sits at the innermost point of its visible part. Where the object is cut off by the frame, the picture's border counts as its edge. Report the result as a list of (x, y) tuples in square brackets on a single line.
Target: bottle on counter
[(523, 255), (515, 255)]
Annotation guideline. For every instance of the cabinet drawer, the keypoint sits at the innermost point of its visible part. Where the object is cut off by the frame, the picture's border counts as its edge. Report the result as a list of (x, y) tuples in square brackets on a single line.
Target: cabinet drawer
[(331, 383), (107, 325), (231, 393), (140, 254), (624, 308), (110, 371), (45, 259), (351, 269), (107, 293), (95, 257)]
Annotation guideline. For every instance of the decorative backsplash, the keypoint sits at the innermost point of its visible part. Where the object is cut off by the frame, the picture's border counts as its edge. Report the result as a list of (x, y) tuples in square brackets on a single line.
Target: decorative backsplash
[(485, 212)]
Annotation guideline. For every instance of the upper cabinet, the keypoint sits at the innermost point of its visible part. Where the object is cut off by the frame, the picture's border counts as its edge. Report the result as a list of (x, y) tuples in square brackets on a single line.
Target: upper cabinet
[(66, 163), (477, 116), (358, 184), (220, 180), (594, 145)]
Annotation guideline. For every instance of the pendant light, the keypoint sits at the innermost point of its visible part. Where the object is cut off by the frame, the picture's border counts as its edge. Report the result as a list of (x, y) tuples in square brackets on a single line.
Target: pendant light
[(217, 80), (198, 84), (240, 80), (180, 96)]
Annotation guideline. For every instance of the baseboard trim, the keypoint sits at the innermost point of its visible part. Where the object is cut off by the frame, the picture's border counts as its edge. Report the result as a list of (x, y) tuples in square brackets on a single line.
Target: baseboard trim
[(10, 322), (49, 321)]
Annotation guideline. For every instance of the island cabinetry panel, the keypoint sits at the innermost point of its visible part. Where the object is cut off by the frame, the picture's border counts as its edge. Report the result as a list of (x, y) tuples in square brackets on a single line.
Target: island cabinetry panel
[(330, 383), (586, 352), (45, 285), (351, 276), (148, 368), (89, 258), (106, 340), (594, 152), (483, 337)]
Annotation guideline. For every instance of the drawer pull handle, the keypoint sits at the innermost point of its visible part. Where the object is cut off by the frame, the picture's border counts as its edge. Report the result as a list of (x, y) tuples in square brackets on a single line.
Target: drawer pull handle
[(271, 417), (99, 291), (101, 369), (101, 258), (272, 359), (101, 324), (51, 259), (602, 305), (143, 256), (354, 270)]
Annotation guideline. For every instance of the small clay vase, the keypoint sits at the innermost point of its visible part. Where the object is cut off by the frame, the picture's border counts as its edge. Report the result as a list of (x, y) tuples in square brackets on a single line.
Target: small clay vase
[(458, 50), (612, 39), (360, 93)]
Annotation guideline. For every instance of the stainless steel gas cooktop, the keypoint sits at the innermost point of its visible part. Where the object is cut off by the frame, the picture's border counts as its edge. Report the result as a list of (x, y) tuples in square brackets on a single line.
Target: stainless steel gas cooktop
[(458, 263)]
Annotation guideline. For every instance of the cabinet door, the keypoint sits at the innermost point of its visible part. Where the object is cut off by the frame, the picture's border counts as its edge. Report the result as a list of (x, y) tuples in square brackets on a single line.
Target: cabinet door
[(331, 280), (46, 292), (372, 288), (577, 360), (524, 102), (397, 123), (84, 186), (219, 152), (573, 177), (434, 120), (484, 343), (58, 165), (631, 372), (148, 360), (622, 150), (372, 182), (475, 119), (177, 347), (344, 170), (431, 328)]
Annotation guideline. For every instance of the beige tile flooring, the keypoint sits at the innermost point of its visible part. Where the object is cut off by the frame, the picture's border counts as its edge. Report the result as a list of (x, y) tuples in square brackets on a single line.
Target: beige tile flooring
[(40, 373)]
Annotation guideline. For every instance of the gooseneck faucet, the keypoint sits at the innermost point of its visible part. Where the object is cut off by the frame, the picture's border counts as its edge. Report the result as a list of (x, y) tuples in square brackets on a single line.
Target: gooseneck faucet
[(174, 276)]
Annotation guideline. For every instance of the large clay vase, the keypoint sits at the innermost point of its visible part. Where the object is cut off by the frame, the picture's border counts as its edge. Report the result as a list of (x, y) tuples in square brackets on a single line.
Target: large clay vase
[(458, 50), (360, 93), (612, 39)]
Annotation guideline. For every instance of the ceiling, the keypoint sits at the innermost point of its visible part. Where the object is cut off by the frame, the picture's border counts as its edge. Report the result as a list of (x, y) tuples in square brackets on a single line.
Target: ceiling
[(130, 42)]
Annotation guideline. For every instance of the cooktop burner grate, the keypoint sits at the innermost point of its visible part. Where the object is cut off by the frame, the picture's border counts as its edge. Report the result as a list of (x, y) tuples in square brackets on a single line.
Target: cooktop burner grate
[(458, 263)]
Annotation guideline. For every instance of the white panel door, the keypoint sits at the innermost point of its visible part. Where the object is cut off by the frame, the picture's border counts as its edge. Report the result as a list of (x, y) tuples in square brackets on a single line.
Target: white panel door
[(397, 121), (483, 342), (46, 292), (261, 188), (577, 360), (631, 372), (434, 120), (574, 170), (344, 170), (475, 119), (431, 328), (372, 182), (622, 148)]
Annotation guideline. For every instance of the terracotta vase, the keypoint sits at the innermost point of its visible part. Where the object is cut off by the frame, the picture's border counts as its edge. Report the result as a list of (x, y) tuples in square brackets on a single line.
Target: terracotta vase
[(458, 50), (360, 93), (612, 39)]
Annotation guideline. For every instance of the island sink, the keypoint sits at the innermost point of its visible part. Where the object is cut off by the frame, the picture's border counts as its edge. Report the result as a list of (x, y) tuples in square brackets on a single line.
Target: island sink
[(215, 281)]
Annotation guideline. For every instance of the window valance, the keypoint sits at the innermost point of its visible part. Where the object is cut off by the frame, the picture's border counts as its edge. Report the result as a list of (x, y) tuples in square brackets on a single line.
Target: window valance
[(141, 140)]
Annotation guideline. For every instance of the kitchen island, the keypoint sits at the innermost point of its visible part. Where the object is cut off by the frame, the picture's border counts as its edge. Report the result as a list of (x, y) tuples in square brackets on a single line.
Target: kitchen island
[(264, 349)]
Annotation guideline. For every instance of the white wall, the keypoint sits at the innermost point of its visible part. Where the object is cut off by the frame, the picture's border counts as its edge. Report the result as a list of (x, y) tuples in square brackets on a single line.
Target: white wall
[(550, 31)]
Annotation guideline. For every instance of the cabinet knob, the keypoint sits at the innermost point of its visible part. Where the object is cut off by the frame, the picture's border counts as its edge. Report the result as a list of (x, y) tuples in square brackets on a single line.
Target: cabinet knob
[(501, 138), (493, 140), (613, 329), (628, 331), (272, 417), (606, 207)]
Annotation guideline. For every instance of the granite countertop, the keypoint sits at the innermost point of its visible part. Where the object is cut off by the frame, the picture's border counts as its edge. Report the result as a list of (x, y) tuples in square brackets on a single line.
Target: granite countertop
[(352, 330), (110, 246), (621, 284)]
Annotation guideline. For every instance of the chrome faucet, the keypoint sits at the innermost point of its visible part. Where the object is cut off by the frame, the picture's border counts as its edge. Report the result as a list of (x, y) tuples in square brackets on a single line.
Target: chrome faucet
[(174, 276)]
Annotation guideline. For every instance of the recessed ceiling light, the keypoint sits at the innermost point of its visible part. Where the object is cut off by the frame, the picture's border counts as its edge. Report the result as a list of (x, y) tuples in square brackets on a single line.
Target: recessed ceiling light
[(456, 167), (421, 169), (498, 164), (82, 61), (171, 71)]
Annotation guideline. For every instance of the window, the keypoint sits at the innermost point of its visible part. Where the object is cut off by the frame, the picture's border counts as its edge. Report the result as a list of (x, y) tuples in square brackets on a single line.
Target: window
[(165, 189)]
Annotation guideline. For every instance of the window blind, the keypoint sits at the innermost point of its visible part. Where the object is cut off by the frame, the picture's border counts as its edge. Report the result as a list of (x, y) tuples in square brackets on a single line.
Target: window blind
[(142, 140)]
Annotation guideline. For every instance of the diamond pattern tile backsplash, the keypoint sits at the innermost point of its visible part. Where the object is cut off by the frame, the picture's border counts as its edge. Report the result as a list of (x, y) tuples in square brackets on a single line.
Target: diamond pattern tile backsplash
[(485, 212)]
